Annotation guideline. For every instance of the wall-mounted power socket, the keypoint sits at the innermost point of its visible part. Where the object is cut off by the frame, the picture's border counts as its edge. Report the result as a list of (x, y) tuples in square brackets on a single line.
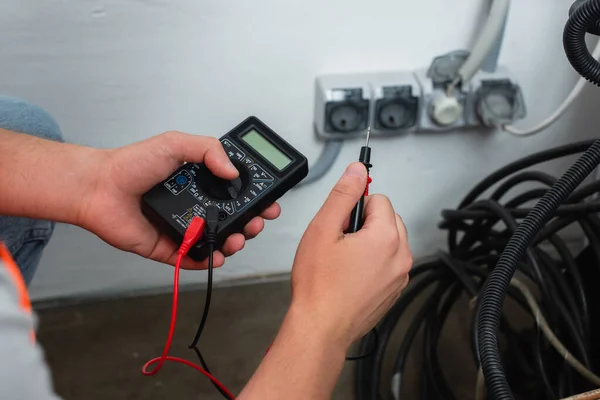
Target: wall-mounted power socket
[(345, 105), (496, 99), (396, 103), (393, 103), (342, 106)]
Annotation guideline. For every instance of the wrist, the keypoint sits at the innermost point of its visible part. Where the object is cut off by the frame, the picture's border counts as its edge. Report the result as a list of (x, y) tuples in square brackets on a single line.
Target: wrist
[(304, 361), (47, 180), (92, 163), (322, 330)]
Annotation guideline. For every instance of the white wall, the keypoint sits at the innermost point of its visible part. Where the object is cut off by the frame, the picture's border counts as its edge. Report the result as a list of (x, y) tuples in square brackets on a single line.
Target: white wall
[(117, 71)]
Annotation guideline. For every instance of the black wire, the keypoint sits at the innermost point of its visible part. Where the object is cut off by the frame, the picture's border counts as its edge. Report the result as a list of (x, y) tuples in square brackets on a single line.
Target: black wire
[(587, 208), (411, 334), (527, 176), (208, 297), (572, 271), (369, 369), (537, 158), (200, 329), (433, 328), (205, 366)]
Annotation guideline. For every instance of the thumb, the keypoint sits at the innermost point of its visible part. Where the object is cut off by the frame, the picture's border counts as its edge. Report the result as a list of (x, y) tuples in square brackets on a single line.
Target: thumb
[(343, 197)]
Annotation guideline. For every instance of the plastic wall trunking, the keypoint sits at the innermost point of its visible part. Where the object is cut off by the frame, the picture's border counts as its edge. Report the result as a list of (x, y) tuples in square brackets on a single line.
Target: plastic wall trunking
[(394, 103)]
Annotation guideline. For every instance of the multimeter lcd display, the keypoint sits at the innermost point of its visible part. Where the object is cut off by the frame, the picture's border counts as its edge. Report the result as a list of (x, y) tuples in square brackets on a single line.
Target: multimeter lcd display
[(266, 149)]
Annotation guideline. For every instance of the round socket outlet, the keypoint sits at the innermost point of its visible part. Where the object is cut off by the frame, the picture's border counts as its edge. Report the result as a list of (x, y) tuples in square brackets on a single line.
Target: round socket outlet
[(393, 116), (345, 118)]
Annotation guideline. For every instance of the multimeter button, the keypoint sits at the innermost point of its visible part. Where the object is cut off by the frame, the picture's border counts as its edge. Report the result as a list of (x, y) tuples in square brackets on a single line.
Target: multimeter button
[(258, 173), (252, 193), (260, 187), (228, 208), (242, 203), (181, 180), (248, 161), (212, 203), (239, 206), (232, 150), (239, 155), (194, 191)]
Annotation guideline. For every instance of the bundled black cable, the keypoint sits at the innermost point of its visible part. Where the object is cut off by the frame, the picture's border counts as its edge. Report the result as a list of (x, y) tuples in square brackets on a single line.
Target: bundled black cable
[(479, 230)]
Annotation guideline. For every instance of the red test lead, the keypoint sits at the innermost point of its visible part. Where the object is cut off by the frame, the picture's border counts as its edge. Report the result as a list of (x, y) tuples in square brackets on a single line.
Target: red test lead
[(193, 234)]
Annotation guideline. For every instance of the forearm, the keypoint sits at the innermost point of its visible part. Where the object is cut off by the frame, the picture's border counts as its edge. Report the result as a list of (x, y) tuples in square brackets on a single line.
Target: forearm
[(304, 362), (44, 179)]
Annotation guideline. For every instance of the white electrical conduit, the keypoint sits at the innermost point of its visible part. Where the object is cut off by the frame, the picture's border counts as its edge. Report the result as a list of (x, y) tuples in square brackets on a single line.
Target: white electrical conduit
[(487, 40), (490, 64), (581, 83)]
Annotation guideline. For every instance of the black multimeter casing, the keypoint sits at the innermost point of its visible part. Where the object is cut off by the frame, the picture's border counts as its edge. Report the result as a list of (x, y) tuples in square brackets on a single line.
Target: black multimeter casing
[(172, 204)]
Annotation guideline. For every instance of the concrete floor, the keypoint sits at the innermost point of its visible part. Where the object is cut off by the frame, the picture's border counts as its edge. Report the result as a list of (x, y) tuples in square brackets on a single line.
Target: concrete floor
[(96, 350)]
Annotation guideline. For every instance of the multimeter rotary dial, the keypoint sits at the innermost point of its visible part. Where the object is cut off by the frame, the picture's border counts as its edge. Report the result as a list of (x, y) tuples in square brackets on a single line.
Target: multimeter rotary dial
[(222, 189)]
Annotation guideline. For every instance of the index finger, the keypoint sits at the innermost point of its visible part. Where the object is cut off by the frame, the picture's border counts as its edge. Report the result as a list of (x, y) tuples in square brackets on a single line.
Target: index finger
[(184, 147), (378, 211)]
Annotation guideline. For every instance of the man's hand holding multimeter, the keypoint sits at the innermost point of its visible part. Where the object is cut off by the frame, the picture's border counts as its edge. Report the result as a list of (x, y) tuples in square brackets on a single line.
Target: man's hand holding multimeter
[(267, 167), (111, 205)]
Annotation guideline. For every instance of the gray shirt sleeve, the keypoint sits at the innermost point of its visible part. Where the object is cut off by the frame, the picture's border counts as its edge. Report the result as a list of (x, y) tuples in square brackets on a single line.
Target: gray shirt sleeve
[(24, 374)]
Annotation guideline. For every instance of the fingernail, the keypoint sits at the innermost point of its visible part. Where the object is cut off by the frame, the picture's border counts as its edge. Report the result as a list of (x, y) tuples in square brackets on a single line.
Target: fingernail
[(356, 169), (231, 167)]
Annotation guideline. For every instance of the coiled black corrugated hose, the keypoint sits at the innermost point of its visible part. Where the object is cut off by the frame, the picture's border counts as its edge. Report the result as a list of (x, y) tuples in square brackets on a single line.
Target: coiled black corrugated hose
[(585, 18), (499, 281)]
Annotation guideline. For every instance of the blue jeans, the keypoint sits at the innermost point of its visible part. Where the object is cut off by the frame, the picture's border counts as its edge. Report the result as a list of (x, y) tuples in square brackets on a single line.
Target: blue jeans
[(26, 238)]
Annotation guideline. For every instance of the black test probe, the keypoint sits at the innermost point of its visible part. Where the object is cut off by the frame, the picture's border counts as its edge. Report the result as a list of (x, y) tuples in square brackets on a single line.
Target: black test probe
[(357, 220), (357, 216)]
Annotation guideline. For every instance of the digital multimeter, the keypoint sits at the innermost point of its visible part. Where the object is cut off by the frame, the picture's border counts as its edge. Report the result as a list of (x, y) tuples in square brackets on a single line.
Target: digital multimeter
[(268, 167)]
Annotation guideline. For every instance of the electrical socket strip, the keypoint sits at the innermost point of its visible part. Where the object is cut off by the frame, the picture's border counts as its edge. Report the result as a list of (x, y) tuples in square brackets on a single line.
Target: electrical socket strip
[(395, 103)]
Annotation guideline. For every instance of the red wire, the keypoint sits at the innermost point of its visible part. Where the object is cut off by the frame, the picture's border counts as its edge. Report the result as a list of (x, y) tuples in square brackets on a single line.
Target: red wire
[(164, 357), (203, 372)]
